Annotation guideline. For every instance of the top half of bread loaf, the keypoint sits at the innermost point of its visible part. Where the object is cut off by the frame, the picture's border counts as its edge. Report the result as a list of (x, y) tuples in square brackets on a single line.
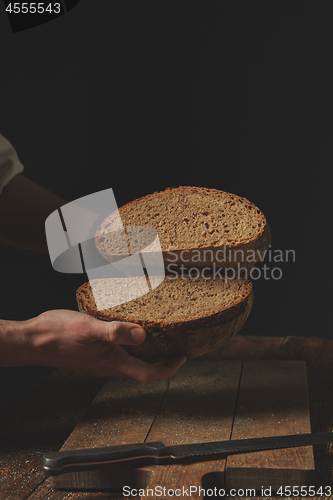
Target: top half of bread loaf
[(194, 218)]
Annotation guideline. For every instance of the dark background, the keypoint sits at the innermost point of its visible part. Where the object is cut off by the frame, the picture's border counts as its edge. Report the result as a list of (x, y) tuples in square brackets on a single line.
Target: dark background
[(140, 96)]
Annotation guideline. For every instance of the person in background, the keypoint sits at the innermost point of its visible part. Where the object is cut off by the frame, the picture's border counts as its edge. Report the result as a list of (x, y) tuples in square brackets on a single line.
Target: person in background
[(60, 338)]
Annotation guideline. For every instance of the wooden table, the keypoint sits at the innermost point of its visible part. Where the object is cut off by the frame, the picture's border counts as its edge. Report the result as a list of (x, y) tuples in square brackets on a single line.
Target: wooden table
[(42, 420)]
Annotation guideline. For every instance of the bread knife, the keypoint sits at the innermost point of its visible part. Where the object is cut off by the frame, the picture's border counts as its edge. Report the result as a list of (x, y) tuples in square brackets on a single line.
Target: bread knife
[(156, 453)]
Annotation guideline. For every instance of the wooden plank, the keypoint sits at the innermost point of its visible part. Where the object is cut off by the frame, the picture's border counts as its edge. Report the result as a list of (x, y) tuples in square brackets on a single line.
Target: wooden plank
[(272, 401), (244, 347), (122, 413), (317, 352), (199, 407)]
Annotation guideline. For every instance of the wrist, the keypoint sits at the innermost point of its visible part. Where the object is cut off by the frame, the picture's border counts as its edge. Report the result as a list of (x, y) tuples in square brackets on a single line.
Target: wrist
[(14, 344)]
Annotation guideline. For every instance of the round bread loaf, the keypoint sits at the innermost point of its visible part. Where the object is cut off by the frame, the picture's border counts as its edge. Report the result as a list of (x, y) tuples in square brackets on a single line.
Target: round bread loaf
[(181, 316), (196, 226)]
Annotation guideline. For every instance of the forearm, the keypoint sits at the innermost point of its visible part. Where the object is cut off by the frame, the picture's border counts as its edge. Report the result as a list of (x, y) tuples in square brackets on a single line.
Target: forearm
[(24, 207), (14, 344), (74, 341)]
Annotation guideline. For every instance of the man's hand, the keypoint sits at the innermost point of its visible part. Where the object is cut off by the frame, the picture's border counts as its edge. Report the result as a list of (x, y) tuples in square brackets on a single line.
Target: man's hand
[(78, 342)]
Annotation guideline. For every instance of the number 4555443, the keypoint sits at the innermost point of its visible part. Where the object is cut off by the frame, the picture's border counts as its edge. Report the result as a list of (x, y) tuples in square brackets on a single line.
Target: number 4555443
[(33, 8)]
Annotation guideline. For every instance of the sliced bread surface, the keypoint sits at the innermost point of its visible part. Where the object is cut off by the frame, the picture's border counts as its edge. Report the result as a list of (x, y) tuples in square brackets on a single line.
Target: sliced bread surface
[(196, 226), (181, 316)]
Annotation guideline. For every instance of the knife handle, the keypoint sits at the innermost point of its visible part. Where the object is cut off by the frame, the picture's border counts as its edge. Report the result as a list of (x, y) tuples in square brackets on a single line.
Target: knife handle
[(59, 462)]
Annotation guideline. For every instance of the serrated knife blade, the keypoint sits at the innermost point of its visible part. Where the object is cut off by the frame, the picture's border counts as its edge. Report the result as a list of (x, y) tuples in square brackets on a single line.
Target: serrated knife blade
[(156, 453)]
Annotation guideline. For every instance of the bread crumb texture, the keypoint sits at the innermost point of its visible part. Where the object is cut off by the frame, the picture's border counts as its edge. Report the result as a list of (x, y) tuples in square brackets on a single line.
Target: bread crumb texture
[(181, 316), (175, 300), (190, 217)]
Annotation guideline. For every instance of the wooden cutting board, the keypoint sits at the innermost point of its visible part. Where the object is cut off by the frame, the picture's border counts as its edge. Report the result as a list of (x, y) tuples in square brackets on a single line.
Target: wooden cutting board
[(206, 400)]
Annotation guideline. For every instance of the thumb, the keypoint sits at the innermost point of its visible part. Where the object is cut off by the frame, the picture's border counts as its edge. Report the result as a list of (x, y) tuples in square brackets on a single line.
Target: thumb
[(124, 333)]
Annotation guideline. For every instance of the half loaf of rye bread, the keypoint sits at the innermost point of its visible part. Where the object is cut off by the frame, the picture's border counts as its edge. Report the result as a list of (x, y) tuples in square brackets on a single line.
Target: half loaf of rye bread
[(181, 316), (196, 226)]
